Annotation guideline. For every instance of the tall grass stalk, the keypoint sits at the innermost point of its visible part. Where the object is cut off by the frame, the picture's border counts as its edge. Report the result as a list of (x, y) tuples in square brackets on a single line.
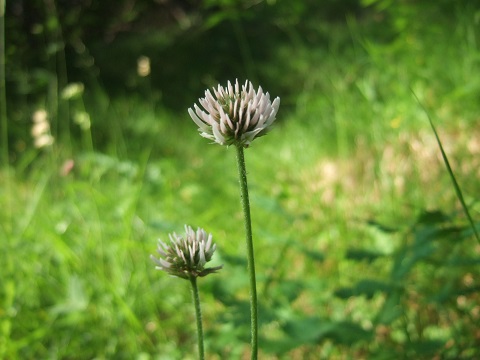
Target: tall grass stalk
[(458, 190), (58, 110), (242, 174), (9, 288), (3, 95), (244, 48), (4, 158)]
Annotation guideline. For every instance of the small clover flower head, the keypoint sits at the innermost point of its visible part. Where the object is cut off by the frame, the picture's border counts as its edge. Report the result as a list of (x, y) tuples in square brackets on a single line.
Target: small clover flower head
[(233, 115), (186, 256)]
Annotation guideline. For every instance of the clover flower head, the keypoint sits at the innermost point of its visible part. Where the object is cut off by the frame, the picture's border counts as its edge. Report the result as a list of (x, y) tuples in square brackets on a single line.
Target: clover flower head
[(187, 255), (234, 115)]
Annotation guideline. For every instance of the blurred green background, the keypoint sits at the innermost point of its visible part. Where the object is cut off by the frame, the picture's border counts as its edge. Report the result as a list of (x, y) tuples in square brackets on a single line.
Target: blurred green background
[(363, 249)]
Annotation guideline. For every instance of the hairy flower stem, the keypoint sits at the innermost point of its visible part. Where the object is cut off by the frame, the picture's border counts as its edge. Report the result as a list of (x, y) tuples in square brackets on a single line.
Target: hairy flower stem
[(242, 173), (198, 315)]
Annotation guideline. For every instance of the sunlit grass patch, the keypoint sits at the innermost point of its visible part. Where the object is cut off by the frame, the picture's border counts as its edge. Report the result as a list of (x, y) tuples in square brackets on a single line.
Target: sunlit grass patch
[(360, 238)]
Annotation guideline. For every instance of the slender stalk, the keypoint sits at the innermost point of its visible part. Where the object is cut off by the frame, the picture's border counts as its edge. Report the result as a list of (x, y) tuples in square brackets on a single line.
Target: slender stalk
[(4, 158), (198, 315), (242, 173), (245, 51), (456, 186), (3, 96)]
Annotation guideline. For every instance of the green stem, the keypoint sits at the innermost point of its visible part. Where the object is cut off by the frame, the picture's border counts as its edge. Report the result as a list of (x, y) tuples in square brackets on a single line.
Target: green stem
[(198, 315), (4, 151), (245, 52), (3, 96), (242, 173), (456, 186)]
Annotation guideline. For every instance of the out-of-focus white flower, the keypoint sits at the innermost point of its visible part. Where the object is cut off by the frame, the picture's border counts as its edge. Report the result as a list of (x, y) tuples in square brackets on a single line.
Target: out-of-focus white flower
[(72, 90), (39, 116), (43, 141), (82, 119), (143, 66), (41, 129), (234, 115), (186, 256)]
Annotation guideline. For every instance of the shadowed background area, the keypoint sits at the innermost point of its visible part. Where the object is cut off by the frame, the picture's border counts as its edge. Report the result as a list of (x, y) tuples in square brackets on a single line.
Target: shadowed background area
[(363, 247)]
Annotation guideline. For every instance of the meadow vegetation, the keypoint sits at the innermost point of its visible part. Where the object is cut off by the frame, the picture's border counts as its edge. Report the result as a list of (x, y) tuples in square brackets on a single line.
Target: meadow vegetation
[(363, 249)]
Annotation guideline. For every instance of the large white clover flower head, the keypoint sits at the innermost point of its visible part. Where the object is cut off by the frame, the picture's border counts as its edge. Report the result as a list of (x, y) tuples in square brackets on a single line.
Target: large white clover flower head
[(186, 256), (233, 115)]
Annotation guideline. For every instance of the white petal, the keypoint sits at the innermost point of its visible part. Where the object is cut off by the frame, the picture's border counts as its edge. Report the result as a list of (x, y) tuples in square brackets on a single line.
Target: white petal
[(256, 117), (219, 138), (154, 259), (209, 242), (230, 89), (192, 249), (247, 120), (237, 87), (201, 125), (201, 253), (208, 136)]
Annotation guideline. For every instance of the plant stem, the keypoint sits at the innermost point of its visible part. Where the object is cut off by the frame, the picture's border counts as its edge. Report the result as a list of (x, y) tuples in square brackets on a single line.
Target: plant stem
[(456, 186), (3, 96), (242, 173), (4, 157), (198, 315)]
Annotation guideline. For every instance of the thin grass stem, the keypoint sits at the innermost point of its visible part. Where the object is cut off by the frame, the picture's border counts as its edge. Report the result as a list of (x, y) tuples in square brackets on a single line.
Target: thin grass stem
[(4, 151), (242, 173), (3, 96), (458, 190), (198, 316)]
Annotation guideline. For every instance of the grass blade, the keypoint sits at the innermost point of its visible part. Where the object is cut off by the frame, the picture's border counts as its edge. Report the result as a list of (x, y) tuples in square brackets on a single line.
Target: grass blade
[(458, 190)]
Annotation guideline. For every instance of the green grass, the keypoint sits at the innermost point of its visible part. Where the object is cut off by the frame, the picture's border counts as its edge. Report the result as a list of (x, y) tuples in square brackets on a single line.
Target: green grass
[(351, 156)]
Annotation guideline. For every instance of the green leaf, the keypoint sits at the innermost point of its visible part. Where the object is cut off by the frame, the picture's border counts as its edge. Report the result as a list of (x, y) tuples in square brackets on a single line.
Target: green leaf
[(425, 347), (312, 254), (367, 288), (361, 254), (381, 227), (391, 309), (289, 289), (432, 217), (312, 330)]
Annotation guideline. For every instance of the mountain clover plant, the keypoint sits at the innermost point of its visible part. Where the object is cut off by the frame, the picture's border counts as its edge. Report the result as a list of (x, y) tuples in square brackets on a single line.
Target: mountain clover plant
[(235, 115), (185, 257), (232, 115)]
